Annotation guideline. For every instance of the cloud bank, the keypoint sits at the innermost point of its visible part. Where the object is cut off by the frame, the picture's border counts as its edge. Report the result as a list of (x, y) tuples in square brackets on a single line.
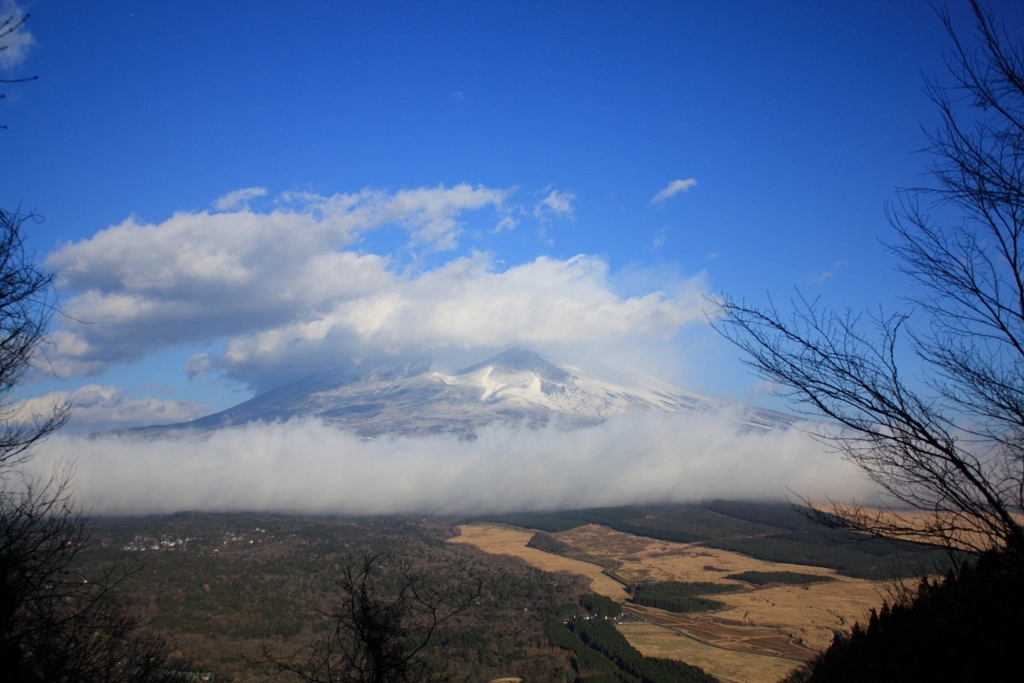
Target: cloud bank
[(286, 291), (306, 467)]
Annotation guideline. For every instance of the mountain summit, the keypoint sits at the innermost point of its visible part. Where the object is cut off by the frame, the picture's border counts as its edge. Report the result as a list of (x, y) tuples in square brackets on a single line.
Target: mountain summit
[(516, 387)]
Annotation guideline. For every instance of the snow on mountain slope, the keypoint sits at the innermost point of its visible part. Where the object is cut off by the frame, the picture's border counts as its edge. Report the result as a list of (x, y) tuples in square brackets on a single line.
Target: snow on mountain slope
[(516, 387)]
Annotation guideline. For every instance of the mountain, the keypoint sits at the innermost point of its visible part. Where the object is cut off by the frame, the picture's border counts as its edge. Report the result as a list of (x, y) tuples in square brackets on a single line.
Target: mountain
[(516, 387)]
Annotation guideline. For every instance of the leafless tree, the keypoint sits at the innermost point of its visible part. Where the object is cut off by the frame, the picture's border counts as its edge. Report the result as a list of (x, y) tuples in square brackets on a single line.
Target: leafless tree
[(9, 25), (58, 624), (25, 310), (949, 443), (381, 620), (55, 623)]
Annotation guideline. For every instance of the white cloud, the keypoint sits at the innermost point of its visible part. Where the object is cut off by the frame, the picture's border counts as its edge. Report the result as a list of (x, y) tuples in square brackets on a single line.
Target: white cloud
[(659, 239), (468, 304), (828, 274), (674, 188), (239, 198), (506, 223), (284, 295), (429, 214), (98, 408), (558, 203), (306, 467), (14, 46)]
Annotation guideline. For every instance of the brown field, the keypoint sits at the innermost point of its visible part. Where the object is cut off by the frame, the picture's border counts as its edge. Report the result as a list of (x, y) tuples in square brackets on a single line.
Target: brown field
[(806, 616), (730, 666), (761, 631), (503, 540), (748, 638), (969, 535)]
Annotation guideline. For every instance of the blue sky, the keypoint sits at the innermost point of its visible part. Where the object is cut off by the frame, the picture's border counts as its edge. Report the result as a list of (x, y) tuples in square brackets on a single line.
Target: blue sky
[(238, 193)]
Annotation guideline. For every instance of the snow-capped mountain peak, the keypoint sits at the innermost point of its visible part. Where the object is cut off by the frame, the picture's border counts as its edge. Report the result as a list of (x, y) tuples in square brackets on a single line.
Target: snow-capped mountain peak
[(516, 387)]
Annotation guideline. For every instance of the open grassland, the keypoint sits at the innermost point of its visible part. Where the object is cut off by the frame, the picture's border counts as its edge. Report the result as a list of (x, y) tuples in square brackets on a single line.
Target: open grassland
[(761, 630), (807, 615), (648, 559), (502, 540), (730, 666), (920, 525), (776, 533)]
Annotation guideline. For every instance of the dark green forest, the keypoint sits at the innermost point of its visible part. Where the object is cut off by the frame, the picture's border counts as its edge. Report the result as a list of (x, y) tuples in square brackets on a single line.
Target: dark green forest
[(681, 596), (223, 587), (601, 636), (602, 655)]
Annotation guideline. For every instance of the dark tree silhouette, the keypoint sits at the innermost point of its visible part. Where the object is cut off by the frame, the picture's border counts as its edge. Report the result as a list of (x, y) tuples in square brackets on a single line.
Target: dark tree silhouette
[(381, 620), (950, 444), (56, 624), (9, 26), (964, 626), (25, 310)]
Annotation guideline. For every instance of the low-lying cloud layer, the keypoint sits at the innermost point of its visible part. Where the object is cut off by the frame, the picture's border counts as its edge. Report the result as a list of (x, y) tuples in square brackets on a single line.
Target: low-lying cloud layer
[(306, 467)]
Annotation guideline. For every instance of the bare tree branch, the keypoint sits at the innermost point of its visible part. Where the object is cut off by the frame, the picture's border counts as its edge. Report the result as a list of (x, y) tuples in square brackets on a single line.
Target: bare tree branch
[(380, 620), (951, 447)]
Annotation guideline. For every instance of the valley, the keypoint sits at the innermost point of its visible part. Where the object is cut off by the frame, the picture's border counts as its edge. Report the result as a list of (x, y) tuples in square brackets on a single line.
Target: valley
[(230, 588)]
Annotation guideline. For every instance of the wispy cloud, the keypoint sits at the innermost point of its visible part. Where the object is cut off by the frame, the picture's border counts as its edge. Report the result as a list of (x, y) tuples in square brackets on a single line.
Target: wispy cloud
[(306, 467), (557, 202), (828, 274), (429, 214), (506, 223), (239, 198), (674, 188), (659, 239)]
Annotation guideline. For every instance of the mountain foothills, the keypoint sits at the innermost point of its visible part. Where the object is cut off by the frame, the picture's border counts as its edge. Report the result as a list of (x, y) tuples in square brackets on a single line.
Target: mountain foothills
[(516, 388)]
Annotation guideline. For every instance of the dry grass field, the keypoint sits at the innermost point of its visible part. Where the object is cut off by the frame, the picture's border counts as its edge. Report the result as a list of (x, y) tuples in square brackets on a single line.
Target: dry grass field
[(503, 540), (970, 537), (733, 667), (806, 615), (761, 632)]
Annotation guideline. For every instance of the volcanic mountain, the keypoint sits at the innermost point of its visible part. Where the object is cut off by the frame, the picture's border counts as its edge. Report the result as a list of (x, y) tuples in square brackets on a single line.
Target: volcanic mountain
[(517, 388)]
